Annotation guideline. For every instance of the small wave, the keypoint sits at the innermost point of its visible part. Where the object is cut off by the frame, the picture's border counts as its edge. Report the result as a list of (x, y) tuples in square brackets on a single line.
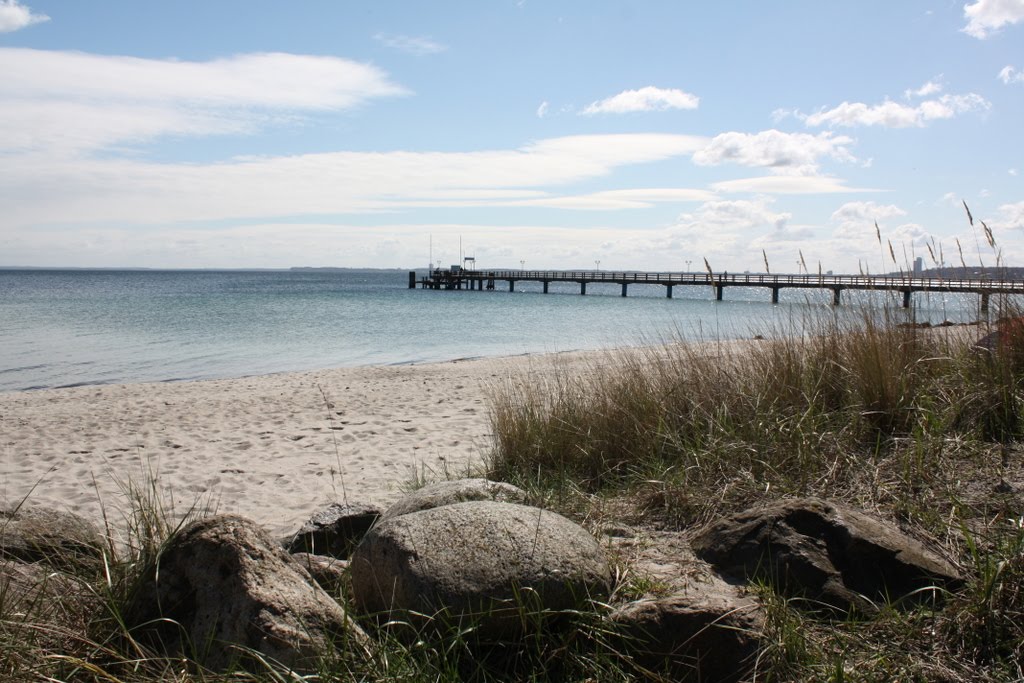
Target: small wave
[(4, 371), (91, 383)]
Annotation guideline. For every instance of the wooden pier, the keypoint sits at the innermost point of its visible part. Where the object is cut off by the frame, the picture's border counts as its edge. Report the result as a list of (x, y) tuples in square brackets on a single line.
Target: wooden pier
[(482, 280)]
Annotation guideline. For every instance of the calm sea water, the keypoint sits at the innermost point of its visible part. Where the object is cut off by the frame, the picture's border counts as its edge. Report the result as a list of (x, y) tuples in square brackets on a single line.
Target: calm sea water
[(68, 328)]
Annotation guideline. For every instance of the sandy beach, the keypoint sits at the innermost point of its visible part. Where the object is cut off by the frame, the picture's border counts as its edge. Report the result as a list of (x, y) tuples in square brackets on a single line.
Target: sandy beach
[(273, 448)]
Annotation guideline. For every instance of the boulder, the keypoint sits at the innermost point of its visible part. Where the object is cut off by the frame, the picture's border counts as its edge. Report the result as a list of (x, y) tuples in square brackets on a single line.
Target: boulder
[(703, 634), (221, 586), (456, 491), (335, 530), (61, 539), (330, 573), (481, 564), (826, 552)]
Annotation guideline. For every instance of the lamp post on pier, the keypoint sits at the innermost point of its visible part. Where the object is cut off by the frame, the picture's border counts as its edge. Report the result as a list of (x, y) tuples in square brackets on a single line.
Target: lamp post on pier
[(597, 264)]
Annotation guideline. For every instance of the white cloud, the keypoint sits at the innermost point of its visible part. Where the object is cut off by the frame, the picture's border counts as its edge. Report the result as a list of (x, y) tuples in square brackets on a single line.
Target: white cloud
[(857, 237), (856, 221), (929, 88), (891, 114), (14, 16), (73, 101), (1010, 75), (865, 212), (542, 110), (717, 228), (774, 149), (1008, 217), (985, 17), (420, 46), (41, 190), (644, 99), (1012, 172)]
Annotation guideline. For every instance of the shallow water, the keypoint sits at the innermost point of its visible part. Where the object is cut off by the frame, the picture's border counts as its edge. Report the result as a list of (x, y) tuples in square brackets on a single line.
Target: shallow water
[(67, 328)]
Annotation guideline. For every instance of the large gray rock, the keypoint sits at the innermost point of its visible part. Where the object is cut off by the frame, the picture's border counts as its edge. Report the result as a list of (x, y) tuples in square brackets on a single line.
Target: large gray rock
[(826, 552), (61, 539), (704, 634), (481, 563), (335, 530), (221, 586), (456, 491)]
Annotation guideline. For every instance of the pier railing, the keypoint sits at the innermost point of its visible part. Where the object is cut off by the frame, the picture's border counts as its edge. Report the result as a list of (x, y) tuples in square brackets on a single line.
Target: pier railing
[(895, 282)]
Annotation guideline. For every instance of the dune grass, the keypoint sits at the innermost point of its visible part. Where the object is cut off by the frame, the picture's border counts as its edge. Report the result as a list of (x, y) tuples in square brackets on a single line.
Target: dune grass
[(916, 425)]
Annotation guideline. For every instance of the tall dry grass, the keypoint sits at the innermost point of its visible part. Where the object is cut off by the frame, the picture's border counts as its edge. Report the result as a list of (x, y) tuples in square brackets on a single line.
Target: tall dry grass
[(799, 414)]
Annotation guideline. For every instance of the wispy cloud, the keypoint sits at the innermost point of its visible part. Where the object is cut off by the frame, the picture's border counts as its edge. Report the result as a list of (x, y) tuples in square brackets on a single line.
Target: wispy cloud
[(420, 46), (14, 16), (644, 99), (891, 114), (1010, 75), (788, 184), (929, 88), (985, 17), (621, 199), (542, 110), (38, 191), (73, 101)]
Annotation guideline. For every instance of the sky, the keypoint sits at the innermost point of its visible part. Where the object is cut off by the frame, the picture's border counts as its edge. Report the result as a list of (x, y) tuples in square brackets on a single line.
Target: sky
[(564, 134)]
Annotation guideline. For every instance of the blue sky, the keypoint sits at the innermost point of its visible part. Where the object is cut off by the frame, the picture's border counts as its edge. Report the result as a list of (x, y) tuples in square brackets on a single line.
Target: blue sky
[(641, 135)]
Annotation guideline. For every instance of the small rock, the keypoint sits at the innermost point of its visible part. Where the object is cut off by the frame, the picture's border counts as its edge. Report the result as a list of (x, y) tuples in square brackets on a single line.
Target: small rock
[(335, 530), (705, 634)]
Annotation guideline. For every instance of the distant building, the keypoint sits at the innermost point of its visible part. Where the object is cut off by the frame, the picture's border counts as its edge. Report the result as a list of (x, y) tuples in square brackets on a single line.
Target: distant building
[(918, 264)]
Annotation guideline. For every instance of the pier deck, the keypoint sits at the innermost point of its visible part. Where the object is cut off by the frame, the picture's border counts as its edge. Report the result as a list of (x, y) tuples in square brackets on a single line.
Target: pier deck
[(457, 279)]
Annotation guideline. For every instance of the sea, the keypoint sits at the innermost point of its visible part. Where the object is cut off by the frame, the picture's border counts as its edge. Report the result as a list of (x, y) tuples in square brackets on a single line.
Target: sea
[(66, 328)]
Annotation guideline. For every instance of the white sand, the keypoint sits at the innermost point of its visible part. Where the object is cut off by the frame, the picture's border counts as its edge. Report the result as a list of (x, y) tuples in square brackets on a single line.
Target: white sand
[(270, 448)]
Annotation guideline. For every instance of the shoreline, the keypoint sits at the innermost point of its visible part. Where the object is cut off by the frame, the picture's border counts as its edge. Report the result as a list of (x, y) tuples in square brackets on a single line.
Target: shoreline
[(274, 448)]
